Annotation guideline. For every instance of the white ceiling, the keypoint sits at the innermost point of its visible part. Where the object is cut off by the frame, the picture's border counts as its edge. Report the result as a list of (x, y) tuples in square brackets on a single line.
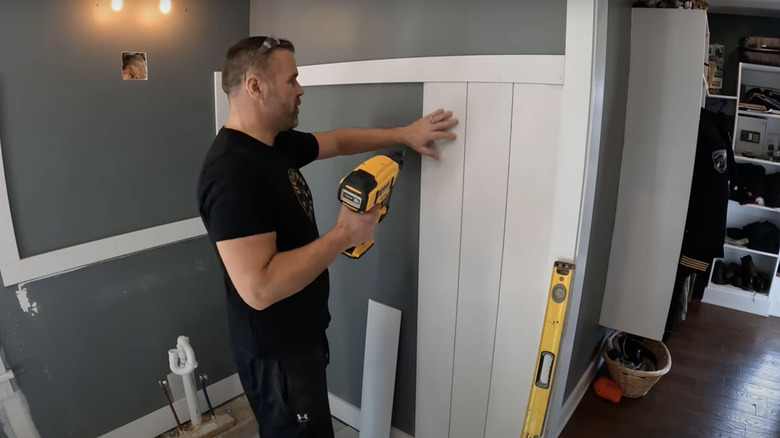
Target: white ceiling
[(746, 7)]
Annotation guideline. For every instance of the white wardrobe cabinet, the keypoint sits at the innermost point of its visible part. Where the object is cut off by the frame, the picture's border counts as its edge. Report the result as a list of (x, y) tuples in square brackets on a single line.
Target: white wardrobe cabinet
[(665, 93)]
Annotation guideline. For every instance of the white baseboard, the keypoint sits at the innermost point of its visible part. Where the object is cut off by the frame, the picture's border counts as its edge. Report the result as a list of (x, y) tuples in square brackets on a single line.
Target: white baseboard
[(350, 415), (576, 396), (161, 420), (221, 392)]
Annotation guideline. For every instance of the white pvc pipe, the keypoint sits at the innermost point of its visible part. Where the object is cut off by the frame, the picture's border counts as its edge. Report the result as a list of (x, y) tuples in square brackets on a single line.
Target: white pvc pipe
[(191, 393), (182, 362)]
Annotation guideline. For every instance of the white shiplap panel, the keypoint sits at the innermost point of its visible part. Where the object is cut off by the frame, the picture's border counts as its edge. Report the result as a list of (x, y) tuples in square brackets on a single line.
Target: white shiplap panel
[(441, 198), (488, 131), (527, 258)]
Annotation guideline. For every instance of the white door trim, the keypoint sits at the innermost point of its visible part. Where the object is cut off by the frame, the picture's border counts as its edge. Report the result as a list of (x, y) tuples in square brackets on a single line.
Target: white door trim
[(586, 26)]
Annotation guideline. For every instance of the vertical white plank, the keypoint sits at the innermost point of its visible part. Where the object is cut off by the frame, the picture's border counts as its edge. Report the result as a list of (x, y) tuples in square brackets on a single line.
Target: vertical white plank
[(662, 120), (441, 200), (221, 103), (588, 52), (580, 23), (9, 252), (488, 130), (383, 330), (527, 258)]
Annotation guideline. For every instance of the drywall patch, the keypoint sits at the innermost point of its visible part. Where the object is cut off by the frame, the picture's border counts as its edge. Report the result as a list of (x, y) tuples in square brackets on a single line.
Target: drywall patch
[(24, 301), (134, 66)]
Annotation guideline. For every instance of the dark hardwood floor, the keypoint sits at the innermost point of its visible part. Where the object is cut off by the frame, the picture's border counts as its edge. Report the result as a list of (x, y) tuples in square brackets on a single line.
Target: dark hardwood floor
[(724, 382)]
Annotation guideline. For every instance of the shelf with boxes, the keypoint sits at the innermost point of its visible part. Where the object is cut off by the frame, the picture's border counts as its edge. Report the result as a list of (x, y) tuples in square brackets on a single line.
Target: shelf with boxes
[(743, 278), (750, 254), (758, 119)]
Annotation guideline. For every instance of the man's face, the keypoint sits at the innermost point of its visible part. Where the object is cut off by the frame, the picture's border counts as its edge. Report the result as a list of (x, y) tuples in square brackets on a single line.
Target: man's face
[(284, 91)]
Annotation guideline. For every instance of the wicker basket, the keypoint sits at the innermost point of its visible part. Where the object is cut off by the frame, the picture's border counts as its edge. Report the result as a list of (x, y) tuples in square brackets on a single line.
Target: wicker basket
[(636, 384)]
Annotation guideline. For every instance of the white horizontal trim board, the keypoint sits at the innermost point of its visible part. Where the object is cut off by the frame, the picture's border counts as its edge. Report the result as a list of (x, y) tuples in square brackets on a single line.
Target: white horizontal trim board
[(79, 256), (528, 69)]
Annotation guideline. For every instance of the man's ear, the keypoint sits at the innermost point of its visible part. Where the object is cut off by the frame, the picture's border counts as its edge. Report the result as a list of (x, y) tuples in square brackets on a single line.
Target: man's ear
[(255, 87)]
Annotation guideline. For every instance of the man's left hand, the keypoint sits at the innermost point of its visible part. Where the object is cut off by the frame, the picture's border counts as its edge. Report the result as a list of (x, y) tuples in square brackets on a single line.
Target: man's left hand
[(421, 134)]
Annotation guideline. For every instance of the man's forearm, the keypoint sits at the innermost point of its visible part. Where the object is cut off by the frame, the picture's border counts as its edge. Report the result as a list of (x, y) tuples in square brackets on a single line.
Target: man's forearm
[(356, 140), (289, 272)]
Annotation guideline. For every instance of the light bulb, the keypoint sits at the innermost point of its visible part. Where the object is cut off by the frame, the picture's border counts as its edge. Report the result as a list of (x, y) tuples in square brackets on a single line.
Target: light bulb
[(116, 5), (165, 6)]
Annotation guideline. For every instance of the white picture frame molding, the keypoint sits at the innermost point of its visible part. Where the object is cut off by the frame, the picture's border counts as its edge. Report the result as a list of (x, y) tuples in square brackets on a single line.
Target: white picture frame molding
[(535, 69)]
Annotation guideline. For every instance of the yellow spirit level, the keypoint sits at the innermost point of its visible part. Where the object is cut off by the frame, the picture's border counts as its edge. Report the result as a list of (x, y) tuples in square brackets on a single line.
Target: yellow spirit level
[(557, 300)]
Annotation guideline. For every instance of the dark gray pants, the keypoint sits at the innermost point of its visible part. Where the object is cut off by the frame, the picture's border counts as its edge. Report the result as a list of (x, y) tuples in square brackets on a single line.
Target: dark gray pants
[(288, 394)]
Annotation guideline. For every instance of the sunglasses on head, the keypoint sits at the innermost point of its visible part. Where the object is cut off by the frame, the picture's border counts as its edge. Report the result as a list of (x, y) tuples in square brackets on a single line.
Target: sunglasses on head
[(268, 44)]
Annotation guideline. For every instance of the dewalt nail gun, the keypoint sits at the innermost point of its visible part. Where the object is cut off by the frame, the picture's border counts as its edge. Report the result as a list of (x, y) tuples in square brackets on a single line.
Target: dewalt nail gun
[(368, 185)]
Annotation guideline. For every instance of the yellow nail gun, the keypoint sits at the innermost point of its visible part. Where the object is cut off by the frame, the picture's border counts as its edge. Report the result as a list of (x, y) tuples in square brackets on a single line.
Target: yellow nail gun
[(368, 185)]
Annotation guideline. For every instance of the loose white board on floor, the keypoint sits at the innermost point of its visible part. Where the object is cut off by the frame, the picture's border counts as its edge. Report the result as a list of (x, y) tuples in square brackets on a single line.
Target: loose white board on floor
[(383, 331)]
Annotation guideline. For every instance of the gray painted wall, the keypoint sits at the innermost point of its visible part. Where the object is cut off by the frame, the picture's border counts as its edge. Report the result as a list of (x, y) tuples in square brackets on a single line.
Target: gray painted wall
[(350, 30), (727, 30), (589, 334), (388, 272), (87, 154), (89, 361), (356, 30)]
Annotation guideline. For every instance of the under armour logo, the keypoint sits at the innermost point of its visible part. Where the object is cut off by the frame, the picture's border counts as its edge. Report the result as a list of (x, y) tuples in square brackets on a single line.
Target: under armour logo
[(302, 418)]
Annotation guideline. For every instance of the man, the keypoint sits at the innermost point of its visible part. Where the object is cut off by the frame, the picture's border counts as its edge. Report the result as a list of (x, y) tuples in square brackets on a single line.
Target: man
[(258, 211)]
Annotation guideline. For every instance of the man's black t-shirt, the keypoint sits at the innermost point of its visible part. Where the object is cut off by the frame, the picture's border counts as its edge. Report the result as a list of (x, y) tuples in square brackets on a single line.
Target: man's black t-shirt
[(247, 187)]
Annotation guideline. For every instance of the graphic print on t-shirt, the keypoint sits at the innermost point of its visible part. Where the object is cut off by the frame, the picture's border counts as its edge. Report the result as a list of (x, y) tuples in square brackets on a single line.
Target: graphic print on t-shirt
[(302, 191)]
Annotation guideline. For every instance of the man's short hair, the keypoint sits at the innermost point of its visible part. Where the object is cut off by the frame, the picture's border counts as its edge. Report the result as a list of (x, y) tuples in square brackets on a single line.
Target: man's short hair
[(249, 55)]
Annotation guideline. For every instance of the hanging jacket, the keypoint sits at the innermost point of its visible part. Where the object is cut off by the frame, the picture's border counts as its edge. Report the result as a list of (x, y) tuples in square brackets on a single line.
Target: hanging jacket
[(714, 167)]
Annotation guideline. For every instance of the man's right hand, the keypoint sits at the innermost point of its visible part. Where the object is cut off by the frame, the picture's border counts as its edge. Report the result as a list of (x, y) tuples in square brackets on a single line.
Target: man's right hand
[(357, 228)]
